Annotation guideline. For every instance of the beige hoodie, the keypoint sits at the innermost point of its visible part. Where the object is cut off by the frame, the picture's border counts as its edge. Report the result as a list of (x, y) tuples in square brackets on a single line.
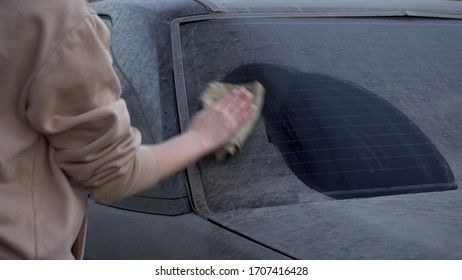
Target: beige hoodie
[(64, 132)]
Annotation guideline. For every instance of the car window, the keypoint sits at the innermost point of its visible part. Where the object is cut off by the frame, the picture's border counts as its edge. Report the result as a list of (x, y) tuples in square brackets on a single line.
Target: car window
[(349, 109)]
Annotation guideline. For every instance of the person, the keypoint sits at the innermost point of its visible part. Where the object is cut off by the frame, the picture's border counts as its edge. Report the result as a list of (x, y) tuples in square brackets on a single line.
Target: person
[(65, 131)]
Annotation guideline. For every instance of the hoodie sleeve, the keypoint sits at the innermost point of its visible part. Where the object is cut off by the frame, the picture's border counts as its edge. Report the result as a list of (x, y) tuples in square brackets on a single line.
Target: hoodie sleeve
[(74, 101)]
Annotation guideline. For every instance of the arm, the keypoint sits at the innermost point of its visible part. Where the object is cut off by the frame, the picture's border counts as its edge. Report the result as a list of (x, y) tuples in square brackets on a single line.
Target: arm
[(209, 130), (74, 102)]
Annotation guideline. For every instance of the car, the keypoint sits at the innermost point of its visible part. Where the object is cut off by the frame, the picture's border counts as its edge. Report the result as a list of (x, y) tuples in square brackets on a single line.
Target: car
[(357, 155)]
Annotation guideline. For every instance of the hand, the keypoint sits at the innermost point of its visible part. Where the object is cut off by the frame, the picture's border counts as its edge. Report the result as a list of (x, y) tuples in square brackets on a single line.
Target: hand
[(210, 129), (218, 123)]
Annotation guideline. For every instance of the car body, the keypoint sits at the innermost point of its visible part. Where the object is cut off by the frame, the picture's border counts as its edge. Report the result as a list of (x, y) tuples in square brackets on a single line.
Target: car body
[(405, 55)]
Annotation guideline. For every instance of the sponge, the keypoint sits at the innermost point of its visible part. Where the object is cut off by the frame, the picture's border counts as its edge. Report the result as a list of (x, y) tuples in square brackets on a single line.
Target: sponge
[(213, 92)]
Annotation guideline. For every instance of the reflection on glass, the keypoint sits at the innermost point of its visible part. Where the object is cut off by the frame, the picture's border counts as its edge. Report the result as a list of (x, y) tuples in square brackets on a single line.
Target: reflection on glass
[(344, 140)]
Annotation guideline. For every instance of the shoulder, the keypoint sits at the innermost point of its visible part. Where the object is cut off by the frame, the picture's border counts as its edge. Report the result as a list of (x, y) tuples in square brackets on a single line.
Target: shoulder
[(44, 8), (47, 23), (49, 17)]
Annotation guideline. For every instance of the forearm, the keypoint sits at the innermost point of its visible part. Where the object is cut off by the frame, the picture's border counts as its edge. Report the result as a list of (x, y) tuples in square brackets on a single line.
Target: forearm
[(178, 152), (209, 129)]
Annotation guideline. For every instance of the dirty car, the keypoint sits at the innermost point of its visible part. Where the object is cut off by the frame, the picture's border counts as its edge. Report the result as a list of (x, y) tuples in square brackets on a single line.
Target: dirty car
[(358, 152)]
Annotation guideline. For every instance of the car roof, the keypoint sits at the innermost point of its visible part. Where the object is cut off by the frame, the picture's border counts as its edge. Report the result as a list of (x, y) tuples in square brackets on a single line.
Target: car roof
[(449, 7)]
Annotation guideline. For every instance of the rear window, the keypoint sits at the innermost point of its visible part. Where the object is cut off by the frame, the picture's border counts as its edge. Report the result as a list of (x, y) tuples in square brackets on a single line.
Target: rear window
[(346, 111)]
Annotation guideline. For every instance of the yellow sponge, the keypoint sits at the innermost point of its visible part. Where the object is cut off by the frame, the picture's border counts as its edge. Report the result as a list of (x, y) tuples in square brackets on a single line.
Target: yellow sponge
[(213, 92)]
